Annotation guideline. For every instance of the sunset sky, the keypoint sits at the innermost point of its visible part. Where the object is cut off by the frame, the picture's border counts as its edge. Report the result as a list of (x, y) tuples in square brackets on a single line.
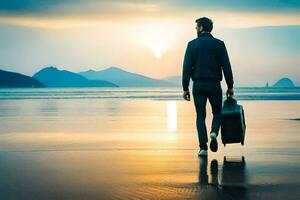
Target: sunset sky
[(149, 37)]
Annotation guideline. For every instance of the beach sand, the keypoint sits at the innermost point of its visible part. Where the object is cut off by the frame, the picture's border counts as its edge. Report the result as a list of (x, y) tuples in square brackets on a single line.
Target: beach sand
[(143, 149)]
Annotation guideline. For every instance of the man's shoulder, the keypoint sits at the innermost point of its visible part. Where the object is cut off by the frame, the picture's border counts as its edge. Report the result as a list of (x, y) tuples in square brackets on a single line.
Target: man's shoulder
[(218, 40), (213, 39), (192, 42)]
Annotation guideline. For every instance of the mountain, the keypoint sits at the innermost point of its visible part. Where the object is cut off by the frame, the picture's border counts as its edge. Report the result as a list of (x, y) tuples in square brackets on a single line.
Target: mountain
[(53, 77), (284, 82), (124, 78), (12, 79), (176, 80)]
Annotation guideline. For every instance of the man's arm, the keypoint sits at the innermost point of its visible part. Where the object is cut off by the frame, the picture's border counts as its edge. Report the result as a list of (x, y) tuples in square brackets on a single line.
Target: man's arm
[(226, 66), (187, 69)]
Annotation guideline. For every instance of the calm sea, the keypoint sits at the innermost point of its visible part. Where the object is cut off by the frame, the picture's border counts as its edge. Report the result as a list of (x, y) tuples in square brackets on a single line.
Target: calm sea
[(156, 93)]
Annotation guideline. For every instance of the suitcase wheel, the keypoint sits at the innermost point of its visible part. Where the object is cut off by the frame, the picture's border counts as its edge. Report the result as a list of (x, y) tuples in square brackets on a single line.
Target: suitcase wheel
[(224, 144)]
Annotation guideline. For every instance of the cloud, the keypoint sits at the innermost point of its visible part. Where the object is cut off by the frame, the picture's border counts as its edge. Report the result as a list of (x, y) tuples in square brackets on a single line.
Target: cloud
[(73, 7), (244, 6), (65, 7), (73, 13)]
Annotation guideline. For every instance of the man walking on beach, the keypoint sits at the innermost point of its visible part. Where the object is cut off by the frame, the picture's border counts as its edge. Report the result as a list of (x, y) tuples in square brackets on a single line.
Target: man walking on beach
[(205, 59)]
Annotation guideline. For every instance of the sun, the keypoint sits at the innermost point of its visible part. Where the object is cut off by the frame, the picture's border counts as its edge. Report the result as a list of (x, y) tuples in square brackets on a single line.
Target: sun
[(156, 36), (158, 55)]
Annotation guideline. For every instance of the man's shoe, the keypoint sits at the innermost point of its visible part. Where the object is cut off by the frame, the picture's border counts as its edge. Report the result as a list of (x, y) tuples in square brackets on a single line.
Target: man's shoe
[(213, 143), (202, 152)]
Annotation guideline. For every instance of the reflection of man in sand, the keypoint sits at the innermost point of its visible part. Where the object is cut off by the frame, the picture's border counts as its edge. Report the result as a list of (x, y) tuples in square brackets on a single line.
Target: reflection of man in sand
[(205, 59), (203, 175)]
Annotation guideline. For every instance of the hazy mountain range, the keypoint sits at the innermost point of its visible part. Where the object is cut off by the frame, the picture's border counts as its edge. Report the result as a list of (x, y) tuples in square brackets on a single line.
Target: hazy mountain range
[(124, 78), (109, 77), (176, 80), (53, 77)]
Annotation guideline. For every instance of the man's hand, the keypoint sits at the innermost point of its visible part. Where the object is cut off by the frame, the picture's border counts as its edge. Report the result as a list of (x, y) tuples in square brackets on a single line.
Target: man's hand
[(186, 95), (229, 93)]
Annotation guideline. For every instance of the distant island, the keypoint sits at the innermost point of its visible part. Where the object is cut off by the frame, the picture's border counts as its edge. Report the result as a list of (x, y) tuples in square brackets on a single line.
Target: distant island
[(53, 77), (16, 80), (284, 83)]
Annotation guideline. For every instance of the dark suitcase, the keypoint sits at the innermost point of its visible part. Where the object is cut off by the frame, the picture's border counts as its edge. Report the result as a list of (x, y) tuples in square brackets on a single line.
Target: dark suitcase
[(233, 124)]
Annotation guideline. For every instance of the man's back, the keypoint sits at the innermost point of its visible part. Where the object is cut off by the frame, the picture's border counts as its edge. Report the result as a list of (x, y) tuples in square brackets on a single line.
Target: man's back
[(205, 58)]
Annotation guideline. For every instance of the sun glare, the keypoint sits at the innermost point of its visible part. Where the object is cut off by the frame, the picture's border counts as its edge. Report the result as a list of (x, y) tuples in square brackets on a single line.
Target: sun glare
[(172, 116), (158, 55), (158, 37)]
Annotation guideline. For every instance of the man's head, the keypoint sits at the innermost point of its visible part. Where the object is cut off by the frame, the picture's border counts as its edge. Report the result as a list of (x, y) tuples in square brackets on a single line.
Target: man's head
[(204, 24)]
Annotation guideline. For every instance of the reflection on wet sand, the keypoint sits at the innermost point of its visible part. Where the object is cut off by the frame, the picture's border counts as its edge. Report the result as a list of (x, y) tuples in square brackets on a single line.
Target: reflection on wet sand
[(231, 184), (138, 174), (234, 172)]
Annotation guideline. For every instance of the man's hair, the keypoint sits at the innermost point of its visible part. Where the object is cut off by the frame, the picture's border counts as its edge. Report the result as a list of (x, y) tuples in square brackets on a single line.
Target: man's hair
[(206, 23)]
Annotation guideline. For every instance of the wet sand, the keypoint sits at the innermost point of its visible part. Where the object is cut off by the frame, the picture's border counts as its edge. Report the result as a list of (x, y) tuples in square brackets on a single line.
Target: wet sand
[(143, 149)]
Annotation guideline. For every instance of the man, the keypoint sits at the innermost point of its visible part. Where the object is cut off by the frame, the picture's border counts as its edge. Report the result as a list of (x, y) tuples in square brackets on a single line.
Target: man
[(205, 59)]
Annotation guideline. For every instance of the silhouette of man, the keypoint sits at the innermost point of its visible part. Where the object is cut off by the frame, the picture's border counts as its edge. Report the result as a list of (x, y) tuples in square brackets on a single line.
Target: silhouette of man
[(205, 59)]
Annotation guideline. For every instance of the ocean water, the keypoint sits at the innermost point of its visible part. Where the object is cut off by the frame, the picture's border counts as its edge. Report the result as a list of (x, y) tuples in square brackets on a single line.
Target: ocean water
[(87, 143), (246, 93)]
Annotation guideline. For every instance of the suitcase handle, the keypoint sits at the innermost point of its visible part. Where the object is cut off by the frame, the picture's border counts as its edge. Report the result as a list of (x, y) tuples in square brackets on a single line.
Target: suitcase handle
[(230, 103), (231, 98)]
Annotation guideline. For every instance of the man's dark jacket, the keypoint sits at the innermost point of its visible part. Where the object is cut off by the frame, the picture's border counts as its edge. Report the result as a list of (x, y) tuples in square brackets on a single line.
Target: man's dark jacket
[(204, 60)]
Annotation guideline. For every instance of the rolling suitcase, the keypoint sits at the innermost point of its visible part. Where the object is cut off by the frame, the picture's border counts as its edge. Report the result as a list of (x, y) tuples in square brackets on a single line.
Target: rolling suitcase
[(233, 124)]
